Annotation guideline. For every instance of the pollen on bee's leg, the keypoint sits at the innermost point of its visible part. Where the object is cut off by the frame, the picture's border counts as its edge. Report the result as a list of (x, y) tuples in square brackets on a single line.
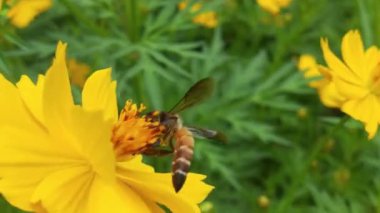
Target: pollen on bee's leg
[(133, 133)]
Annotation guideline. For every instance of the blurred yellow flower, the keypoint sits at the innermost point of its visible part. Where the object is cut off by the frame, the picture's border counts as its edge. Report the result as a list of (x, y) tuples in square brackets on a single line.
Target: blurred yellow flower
[(321, 79), (302, 112), (308, 65), (56, 156), (22, 12), (263, 201), (78, 72), (207, 19), (194, 8), (342, 176), (273, 6), (357, 79), (207, 207)]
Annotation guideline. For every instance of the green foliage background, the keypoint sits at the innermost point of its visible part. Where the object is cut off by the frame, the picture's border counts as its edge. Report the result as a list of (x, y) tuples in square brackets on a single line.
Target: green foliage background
[(317, 163)]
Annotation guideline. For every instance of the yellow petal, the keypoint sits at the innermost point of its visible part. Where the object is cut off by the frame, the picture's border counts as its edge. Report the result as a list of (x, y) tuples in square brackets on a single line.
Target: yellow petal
[(90, 134), (353, 52), (306, 62), (283, 3), (64, 191), (350, 90), (269, 5), (57, 97), (135, 164), (32, 95), (24, 11), (115, 198), (329, 96), (366, 111), (26, 157), (337, 66), (372, 60), (99, 93), (12, 109), (158, 187)]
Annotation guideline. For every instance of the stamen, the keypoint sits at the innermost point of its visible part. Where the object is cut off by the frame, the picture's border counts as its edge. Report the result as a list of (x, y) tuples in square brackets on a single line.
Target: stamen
[(134, 133)]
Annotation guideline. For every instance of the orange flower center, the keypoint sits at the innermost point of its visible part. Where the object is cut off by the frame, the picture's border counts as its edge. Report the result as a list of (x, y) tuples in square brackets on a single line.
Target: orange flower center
[(134, 133)]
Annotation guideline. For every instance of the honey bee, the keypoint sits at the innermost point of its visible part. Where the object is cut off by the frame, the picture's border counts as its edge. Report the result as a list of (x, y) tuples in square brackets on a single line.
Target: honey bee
[(178, 139)]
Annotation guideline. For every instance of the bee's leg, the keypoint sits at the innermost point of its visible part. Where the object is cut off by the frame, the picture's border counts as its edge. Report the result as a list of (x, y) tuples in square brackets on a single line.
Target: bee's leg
[(158, 151)]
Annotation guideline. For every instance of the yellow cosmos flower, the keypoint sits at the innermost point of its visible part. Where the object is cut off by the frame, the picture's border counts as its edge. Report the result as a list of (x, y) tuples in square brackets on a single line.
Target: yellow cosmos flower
[(56, 156), (78, 72), (308, 65), (263, 201), (357, 79), (194, 8), (328, 94), (322, 80), (22, 12), (207, 19), (273, 6)]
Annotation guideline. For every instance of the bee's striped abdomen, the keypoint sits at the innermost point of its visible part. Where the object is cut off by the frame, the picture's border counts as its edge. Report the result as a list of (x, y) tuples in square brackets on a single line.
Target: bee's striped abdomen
[(183, 154)]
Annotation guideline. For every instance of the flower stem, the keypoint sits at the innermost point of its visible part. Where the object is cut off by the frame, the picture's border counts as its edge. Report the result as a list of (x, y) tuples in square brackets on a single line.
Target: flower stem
[(132, 19)]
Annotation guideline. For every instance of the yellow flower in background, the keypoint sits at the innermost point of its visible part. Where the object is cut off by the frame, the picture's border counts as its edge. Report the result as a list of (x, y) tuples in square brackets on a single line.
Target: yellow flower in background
[(22, 12), (308, 65), (207, 19), (357, 79), (56, 156), (273, 6), (263, 201), (194, 8), (78, 72), (321, 79)]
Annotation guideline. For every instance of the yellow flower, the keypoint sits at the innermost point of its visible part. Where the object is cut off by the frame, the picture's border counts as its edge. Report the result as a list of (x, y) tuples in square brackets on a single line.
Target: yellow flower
[(302, 112), (206, 19), (328, 94), (321, 79), (357, 79), (78, 72), (263, 201), (22, 12), (308, 65), (56, 156), (273, 6), (194, 8)]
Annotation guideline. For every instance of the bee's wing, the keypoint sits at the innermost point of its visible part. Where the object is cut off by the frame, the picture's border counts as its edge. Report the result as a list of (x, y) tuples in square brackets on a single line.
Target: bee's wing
[(196, 94), (208, 134)]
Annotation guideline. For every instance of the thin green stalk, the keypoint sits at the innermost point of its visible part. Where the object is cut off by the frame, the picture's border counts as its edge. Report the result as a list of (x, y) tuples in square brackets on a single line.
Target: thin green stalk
[(365, 21), (132, 19), (376, 20)]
